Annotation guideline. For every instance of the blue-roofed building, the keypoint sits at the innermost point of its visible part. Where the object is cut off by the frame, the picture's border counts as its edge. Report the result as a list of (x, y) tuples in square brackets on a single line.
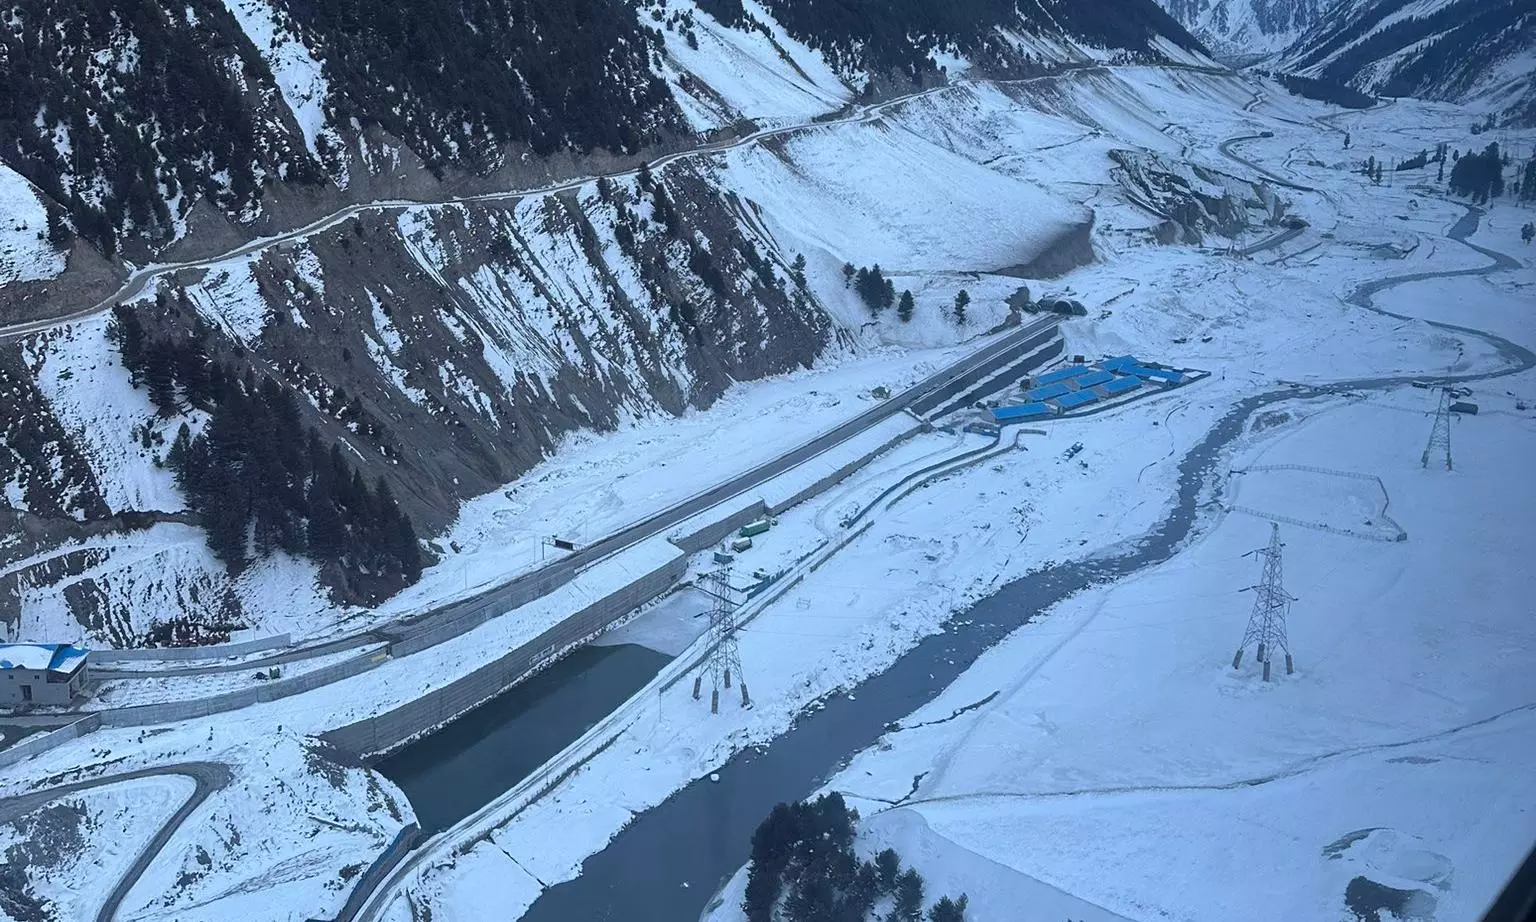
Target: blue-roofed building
[(1161, 375), (1119, 363), (1076, 399), (1093, 379), (1046, 392), (1118, 386), (41, 673), (1004, 415), (1060, 374)]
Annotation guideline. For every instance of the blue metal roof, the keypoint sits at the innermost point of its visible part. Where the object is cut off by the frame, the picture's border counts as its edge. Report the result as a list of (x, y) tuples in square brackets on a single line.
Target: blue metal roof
[(1046, 392), (1093, 379), (1074, 400), (1118, 363), (1160, 374), (1023, 411), (1119, 386), (53, 657), (1061, 374)]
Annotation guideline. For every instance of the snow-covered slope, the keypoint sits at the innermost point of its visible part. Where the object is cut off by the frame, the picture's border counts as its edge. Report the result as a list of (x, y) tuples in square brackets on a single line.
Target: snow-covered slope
[(24, 249), (1470, 51), (1241, 30)]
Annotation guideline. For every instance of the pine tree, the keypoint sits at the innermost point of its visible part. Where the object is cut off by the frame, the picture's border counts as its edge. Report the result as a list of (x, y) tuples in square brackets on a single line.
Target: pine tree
[(181, 448), (128, 333), (797, 271), (909, 897), (160, 375), (888, 867), (948, 910), (961, 301), (325, 531), (848, 273), (904, 309)]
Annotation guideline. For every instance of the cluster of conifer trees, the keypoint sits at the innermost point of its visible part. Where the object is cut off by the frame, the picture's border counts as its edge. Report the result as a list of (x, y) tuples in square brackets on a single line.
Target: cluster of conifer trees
[(804, 870), (257, 478), (1479, 176)]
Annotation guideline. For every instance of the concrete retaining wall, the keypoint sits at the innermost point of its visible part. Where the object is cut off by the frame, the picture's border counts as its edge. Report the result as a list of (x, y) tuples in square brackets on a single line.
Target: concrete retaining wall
[(839, 475), (707, 536), (179, 654), (168, 711), (379, 734), (405, 640), (986, 369), (43, 742)]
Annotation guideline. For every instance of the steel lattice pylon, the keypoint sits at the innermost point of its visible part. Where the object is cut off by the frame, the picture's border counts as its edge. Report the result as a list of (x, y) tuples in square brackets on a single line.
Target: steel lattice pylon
[(1266, 625), (724, 655), (1440, 435)]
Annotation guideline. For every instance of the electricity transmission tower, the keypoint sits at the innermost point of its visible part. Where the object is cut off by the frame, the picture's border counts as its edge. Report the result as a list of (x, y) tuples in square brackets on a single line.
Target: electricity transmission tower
[(1440, 435), (1266, 625), (724, 655)]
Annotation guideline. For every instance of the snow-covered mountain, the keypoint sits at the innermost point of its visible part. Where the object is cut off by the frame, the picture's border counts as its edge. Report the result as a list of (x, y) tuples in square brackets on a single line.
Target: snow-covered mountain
[(1474, 51), (403, 359), (1468, 51), (1242, 30)]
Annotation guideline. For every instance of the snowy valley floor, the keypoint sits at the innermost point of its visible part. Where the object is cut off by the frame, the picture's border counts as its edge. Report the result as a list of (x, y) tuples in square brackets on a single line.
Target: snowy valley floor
[(1122, 770)]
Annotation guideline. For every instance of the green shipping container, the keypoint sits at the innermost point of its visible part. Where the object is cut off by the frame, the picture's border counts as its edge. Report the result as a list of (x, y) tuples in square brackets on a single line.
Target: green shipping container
[(754, 528)]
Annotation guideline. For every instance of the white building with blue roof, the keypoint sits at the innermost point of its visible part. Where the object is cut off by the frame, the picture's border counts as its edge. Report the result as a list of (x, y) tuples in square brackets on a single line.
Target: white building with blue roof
[(42, 673)]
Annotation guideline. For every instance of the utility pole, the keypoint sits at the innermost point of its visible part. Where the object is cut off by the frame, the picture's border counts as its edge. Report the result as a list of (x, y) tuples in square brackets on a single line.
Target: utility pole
[(724, 654), (1440, 435), (1266, 625)]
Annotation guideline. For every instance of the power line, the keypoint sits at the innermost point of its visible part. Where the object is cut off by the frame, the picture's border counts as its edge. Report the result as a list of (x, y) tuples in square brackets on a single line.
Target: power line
[(1440, 434), (724, 655), (1266, 624)]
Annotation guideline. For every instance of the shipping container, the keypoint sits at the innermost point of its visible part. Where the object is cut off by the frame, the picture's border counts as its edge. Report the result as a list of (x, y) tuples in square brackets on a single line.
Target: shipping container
[(754, 528), (741, 544)]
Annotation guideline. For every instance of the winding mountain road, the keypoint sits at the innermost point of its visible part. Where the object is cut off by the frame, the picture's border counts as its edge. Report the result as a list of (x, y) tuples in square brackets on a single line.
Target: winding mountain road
[(207, 777)]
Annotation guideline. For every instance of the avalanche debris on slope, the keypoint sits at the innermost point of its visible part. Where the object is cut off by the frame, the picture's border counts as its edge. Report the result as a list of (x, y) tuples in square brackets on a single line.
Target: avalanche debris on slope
[(298, 76)]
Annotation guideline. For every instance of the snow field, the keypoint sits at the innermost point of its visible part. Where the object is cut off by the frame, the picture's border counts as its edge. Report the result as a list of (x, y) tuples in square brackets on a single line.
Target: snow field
[(24, 257), (295, 69), (83, 379), (1128, 793)]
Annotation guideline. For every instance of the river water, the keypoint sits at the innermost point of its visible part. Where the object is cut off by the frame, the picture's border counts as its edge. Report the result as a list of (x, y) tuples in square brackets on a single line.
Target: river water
[(465, 765)]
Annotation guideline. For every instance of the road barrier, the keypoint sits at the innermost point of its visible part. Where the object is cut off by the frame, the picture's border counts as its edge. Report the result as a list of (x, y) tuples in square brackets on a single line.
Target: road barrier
[(180, 654), (33, 745), (141, 715)]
